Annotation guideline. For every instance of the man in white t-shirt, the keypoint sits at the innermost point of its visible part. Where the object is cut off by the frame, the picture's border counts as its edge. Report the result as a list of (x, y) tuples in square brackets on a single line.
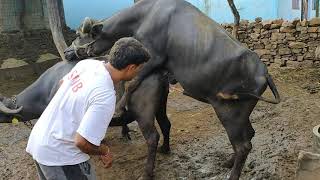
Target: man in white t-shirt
[(75, 122)]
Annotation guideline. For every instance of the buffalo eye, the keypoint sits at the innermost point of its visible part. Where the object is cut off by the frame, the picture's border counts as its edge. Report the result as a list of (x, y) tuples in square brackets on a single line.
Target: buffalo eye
[(96, 30)]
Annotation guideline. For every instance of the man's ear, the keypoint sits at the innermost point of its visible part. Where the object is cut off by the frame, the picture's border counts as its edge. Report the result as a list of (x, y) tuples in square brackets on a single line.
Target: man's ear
[(96, 29), (132, 66), (127, 68)]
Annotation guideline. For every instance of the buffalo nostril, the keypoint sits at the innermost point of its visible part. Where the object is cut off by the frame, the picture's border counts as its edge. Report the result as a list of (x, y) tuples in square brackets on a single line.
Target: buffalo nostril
[(70, 54), (68, 49)]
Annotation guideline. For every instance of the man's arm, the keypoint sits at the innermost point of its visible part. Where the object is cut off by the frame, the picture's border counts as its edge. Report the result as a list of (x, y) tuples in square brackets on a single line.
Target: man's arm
[(88, 148), (95, 121)]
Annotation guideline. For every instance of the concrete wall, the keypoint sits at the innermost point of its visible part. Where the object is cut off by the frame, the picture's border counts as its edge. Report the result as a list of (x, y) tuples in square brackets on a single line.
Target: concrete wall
[(17, 16), (77, 10), (285, 10), (220, 11), (9, 15), (312, 13), (36, 15)]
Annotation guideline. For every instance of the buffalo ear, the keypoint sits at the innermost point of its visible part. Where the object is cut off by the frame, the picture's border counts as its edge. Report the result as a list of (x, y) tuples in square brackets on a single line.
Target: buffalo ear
[(86, 25), (96, 29)]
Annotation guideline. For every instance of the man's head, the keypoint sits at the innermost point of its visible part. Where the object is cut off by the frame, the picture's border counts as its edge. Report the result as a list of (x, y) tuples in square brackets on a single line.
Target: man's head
[(128, 56)]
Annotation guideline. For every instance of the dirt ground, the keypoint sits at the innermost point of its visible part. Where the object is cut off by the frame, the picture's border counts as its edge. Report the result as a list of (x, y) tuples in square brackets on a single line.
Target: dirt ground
[(199, 143)]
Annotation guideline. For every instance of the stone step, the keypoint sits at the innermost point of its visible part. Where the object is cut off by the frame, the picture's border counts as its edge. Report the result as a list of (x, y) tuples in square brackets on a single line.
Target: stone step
[(316, 138), (12, 69), (15, 63), (308, 166)]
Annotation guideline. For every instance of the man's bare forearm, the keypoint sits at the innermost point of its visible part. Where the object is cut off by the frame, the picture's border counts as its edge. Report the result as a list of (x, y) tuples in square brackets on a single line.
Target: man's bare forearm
[(88, 148), (95, 150)]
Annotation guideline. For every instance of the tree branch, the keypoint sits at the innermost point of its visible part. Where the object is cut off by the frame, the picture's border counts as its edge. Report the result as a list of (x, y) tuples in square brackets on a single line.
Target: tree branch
[(56, 25), (236, 18)]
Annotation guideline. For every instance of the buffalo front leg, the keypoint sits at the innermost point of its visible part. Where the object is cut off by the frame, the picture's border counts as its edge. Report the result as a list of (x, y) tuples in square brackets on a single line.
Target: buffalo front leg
[(148, 69)]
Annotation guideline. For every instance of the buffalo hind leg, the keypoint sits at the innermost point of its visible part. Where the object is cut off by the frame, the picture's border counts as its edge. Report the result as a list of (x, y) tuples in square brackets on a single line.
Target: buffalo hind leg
[(151, 135), (234, 116), (229, 163), (164, 122), (153, 63), (125, 132)]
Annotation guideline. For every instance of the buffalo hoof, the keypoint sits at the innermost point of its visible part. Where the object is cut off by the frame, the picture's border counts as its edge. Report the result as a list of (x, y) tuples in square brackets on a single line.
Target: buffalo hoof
[(126, 137), (125, 133), (146, 177), (1, 97), (119, 112), (164, 150), (229, 163)]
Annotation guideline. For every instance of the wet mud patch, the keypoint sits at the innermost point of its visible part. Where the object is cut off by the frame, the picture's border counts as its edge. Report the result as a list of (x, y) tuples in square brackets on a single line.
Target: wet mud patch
[(199, 143)]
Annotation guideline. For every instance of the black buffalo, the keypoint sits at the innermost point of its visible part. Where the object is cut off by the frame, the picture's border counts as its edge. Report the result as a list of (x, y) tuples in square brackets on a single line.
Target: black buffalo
[(207, 61), (146, 103)]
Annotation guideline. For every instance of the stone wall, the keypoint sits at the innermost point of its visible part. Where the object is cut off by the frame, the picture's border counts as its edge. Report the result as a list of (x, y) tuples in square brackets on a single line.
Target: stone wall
[(28, 45), (277, 42), (282, 43)]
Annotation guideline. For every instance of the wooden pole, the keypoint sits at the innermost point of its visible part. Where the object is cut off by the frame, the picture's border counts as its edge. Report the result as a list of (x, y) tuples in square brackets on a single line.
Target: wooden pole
[(56, 25), (317, 8), (304, 10), (236, 18)]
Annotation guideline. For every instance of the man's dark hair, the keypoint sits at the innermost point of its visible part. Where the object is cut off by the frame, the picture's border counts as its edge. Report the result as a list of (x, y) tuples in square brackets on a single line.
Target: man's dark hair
[(128, 51)]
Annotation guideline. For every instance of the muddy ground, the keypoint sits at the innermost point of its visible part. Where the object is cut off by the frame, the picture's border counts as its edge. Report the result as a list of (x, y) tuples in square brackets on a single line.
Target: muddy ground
[(198, 141)]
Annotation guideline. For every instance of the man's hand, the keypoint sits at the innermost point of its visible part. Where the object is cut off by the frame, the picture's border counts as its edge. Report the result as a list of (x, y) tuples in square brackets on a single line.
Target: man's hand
[(107, 159), (88, 148)]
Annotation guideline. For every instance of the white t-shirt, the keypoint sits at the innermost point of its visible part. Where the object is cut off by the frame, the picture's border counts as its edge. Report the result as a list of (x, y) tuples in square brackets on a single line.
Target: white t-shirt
[(84, 103)]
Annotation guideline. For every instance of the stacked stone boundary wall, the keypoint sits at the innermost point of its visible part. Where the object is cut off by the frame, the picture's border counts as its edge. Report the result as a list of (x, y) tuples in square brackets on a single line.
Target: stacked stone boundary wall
[(277, 42), (29, 45), (282, 43)]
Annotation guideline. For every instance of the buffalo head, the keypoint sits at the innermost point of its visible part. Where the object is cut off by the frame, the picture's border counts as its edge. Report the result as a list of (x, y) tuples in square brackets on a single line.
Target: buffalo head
[(8, 110), (90, 41)]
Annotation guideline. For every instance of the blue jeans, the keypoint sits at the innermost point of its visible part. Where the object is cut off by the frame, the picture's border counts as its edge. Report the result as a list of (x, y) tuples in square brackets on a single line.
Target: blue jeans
[(82, 171)]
